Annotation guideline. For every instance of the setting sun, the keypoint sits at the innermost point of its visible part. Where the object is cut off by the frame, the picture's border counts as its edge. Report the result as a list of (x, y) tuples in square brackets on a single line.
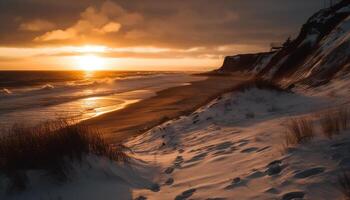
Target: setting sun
[(179, 100), (90, 63)]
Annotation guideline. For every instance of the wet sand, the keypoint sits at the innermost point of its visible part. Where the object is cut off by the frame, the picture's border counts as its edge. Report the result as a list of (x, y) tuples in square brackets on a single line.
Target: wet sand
[(166, 104)]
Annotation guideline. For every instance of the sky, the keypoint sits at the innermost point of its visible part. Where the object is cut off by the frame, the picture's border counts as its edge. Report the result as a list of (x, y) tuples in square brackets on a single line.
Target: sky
[(190, 35)]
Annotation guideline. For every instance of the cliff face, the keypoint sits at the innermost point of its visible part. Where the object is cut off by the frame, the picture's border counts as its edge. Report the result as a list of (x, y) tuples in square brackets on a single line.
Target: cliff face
[(319, 53), (246, 62)]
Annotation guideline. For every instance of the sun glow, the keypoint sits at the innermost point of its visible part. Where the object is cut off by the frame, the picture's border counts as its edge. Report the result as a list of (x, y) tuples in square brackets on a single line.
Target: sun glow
[(91, 49), (90, 63)]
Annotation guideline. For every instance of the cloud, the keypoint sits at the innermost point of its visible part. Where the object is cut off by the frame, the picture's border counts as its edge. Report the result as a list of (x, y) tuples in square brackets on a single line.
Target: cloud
[(93, 21), (37, 25), (165, 24), (58, 35), (145, 52), (110, 28)]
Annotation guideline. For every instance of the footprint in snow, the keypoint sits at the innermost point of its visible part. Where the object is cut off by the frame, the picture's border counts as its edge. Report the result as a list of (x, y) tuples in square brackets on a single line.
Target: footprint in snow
[(242, 143), (218, 153), (197, 157), (170, 181), (274, 167), (169, 170), (263, 149), (309, 172), (223, 146), (178, 161), (249, 150), (141, 198), (185, 195), (236, 182), (293, 195), (256, 174), (225, 152), (155, 187), (272, 191)]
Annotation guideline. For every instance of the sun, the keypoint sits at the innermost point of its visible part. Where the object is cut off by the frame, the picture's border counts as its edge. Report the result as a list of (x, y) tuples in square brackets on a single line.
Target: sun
[(90, 63)]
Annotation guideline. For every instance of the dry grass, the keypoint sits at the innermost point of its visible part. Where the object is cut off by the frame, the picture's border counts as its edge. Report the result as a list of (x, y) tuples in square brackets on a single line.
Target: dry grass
[(344, 118), (299, 130), (260, 84), (344, 182), (51, 147), (335, 121)]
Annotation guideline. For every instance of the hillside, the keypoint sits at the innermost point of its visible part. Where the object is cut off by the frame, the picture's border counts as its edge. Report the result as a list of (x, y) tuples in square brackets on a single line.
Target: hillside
[(320, 52)]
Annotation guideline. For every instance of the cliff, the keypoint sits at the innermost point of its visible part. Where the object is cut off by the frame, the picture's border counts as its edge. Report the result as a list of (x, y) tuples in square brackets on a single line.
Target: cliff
[(318, 54)]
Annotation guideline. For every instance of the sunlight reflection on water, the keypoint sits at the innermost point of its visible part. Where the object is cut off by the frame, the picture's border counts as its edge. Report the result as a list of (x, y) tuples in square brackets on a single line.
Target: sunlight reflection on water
[(82, 99)]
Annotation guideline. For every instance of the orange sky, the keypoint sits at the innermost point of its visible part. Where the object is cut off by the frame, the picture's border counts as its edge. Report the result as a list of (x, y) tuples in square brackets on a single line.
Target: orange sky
[(97, 57), (136, 35)]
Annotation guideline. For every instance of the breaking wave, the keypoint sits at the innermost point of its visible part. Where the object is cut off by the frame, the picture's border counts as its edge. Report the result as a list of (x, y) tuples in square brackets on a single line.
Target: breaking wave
[(5, 92)]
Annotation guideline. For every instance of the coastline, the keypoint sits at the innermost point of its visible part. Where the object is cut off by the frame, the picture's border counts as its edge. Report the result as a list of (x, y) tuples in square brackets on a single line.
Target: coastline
[(136, 118), (84, 98)]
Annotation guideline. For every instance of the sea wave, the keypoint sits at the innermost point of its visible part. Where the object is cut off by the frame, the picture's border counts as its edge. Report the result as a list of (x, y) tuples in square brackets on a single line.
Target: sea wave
[(57, 93), (5, 92), (47, 87)]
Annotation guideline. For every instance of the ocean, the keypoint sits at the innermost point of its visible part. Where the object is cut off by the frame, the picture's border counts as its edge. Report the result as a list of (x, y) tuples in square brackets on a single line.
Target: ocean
[(31, 97)]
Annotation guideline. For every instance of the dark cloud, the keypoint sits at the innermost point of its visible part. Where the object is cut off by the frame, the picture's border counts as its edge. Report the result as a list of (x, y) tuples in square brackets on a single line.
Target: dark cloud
[(170, 23)]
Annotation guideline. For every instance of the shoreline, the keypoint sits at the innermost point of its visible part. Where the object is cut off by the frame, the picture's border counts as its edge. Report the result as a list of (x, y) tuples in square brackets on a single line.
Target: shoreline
[(83, 99), (151, 92), (167, 104)]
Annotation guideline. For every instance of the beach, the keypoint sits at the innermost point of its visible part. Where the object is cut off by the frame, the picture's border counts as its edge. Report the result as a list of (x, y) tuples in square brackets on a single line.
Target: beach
[(77, 95), (175, 100), (166, 104)]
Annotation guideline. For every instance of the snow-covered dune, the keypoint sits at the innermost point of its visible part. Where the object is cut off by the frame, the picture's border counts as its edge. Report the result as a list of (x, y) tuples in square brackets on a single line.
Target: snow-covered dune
[(233, 148)]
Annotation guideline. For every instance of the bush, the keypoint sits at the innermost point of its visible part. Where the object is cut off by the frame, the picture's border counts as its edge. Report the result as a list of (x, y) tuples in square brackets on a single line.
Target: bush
[(299, 131), (51, 147), (335, 121)]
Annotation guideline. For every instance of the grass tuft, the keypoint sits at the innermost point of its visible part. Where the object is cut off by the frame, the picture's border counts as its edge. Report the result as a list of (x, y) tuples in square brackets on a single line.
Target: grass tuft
[(344, 182), (335, 121), (260, 84), (299, 130), (51, 146)]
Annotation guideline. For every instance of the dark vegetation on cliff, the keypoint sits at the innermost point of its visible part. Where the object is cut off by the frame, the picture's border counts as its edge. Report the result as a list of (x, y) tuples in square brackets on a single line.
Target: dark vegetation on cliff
[(320, 52)]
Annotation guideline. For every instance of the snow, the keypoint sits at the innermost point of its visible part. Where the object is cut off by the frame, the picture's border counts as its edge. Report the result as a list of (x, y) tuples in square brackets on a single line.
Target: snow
[(345, 9), (221, 151), (262, 63), (231, 148), (331, 53), (311, 38), (94, 178)]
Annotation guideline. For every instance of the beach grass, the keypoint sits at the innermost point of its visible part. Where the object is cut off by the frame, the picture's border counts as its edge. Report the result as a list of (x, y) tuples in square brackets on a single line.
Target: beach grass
[(335, 121), (299, 130), (51, 147)]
